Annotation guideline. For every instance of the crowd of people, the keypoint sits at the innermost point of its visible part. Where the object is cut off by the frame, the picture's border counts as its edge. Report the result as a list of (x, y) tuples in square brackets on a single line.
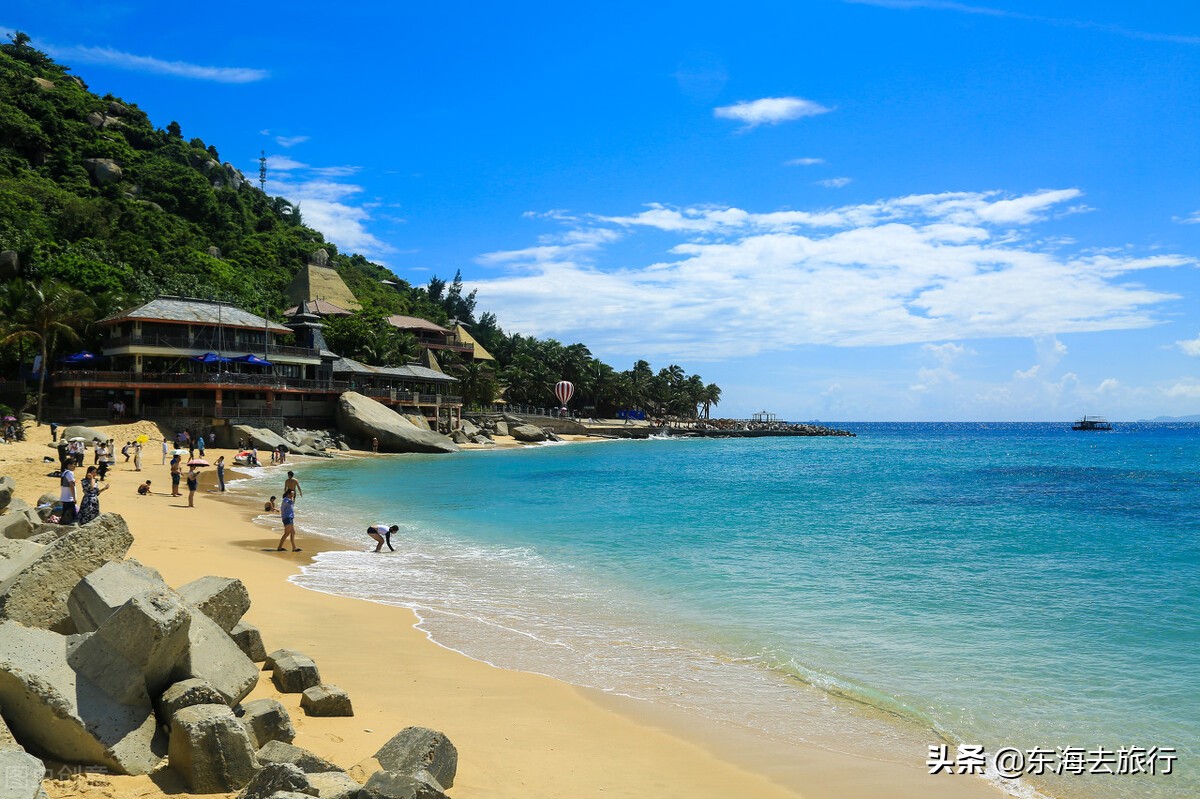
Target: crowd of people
[(80, 499)]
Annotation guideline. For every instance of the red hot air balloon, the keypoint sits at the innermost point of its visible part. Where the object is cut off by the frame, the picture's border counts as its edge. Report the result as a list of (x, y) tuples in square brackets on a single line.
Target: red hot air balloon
[(564, 390)]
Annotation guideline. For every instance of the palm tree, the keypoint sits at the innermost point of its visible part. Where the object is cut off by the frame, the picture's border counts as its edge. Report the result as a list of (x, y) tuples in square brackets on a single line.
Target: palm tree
[(477, 382), (51, 310), (712, 396)]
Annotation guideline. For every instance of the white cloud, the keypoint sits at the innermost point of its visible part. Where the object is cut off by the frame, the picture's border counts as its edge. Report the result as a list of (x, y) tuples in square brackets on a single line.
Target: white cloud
[(291, 141), (107, 56), (1109, 386), (1190, 347), (1186, 389), (1029, 373), (325, 206), (917, 269), (835, 183), (770, 110), (337, 171), (1191, 219), (804, 162), (283, 163)]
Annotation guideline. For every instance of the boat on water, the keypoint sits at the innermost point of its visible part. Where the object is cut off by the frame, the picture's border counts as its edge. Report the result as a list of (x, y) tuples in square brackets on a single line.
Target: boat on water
[(1092, 423)]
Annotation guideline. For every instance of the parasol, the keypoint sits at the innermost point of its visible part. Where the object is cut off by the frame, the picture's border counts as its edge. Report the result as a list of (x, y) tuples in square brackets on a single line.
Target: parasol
[(197, 462)]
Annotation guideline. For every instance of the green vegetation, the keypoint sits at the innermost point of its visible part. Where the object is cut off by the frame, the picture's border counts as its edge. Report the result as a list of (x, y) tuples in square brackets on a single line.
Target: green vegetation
[(94, 197)]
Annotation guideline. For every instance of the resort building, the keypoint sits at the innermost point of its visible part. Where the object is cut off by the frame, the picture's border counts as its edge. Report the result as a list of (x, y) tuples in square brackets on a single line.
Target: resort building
[(178, 357), (318, 282)]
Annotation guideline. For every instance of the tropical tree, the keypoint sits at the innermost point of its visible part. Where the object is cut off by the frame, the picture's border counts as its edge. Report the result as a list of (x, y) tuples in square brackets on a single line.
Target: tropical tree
[(712, 396), (52, 310), (477, 382)]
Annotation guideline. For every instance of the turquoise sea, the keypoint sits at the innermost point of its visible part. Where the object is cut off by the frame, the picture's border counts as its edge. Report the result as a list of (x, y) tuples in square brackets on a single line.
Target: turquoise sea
[(999, 585)]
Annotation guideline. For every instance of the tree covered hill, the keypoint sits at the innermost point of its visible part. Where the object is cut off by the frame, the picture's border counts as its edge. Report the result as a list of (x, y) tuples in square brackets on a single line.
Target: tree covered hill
[(95, 198)]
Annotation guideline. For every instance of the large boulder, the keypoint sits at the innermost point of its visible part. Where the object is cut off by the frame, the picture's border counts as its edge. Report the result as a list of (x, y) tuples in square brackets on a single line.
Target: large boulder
[(135, 651), (418, 419), (294, 673), (104, 171), (214, 657), (16, 556), (416, 748), (37, 596), (363, 418), (88, 434), (7, 487), (394, 785), (326, 700), (223, 599), (267, 721), (249, 640), (210, 749), (528, 433), (187, 693), (283, 752), (276, 778), (334, 785), (99, 594), (22, 775), (501, 428), (64, 714), (10, 264), (469, 427), (266, 439)]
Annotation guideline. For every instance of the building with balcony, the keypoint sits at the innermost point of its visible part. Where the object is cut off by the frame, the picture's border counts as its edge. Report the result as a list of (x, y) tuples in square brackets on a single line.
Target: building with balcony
[(181, 357)]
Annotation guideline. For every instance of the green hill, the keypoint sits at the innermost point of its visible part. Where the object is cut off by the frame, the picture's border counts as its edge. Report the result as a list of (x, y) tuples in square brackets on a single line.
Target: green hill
[(96, 197)]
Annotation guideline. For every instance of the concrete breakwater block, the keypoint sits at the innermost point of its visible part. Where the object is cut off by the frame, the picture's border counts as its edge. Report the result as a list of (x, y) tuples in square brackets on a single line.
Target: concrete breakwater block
[(416, 748), (326, 700), (212, 656), (306, 761), (98, 595), (276, 778), (223, 599), (268, 722), (294, 672), (210, 749), (249, 640), (391, 785)]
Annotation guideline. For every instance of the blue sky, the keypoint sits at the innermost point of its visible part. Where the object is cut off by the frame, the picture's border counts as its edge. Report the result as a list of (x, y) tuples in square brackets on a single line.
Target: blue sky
[(839, 210)]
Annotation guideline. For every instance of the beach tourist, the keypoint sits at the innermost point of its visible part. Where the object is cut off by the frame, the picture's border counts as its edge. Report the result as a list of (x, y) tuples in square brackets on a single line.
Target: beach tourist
[(126, 450), (221, 472), (166, 448), (176, 473), (54, 431), (382, 535), (102, 467), (66, 481), (200, 444), (375, 445), (144, 489), (292, 484), (269, 505), (287, 513), (254, 455), (137, 456), (193, 481), (97, 451), (191, 444), (89, 508)]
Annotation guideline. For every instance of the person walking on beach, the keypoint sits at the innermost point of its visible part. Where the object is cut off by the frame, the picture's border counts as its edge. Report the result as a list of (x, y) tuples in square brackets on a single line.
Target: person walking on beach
[(54, 431), (287, 513), (67, 495), (165, 448), (137, 456), (383, 535), (293, 485), (176, 473), (193, 481), (89, 508), (221, 472), (200, 444)]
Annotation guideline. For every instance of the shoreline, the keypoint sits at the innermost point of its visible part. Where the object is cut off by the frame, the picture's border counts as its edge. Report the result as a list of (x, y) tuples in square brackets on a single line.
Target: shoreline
[(517, 732)]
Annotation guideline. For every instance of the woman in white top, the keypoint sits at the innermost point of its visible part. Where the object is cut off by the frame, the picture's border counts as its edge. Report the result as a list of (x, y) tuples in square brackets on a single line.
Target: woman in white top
[(382, 535)]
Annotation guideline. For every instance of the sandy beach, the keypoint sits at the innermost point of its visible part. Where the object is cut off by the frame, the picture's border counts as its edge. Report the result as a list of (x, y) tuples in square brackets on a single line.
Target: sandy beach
[(517, 734)]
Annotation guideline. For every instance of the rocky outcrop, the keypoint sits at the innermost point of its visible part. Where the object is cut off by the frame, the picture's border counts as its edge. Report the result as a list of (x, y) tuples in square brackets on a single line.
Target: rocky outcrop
[(222, 599), (363, 419), (10, 264), (528, 433), (37, 596), (267, 439), (326, 700), (104, 171), (65, 715), (44, 84), (210, 749), (88, 434), (416, 748)]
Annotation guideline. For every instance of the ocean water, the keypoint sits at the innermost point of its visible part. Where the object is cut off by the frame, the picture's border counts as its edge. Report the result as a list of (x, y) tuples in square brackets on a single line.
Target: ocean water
[(999, 585)]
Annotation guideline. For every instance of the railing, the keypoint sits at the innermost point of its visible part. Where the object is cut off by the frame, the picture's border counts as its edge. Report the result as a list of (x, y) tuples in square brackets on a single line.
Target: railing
[(215, 379), (450, 344), (410, 397), (226, 344)]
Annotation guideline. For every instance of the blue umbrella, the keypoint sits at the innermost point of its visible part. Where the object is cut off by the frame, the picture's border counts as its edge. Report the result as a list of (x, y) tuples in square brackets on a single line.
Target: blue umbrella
[(80, 357), (210, 357), (253, 360)]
